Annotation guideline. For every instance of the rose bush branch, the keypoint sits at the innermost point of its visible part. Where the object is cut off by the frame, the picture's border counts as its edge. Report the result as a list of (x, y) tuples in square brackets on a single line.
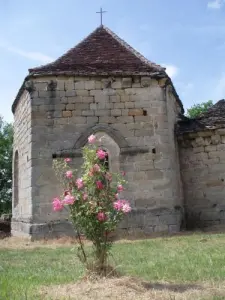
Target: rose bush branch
[(94, 202)]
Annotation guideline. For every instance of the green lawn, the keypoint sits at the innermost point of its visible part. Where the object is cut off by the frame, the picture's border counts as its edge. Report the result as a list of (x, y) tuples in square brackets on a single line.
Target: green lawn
[(184, 259)]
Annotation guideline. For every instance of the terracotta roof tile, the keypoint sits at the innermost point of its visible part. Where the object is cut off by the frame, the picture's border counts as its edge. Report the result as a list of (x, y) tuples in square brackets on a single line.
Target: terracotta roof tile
[(101, 53)]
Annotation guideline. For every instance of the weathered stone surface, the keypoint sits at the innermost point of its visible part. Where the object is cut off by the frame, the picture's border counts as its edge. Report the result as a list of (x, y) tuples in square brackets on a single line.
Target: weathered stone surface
[(113, 108)]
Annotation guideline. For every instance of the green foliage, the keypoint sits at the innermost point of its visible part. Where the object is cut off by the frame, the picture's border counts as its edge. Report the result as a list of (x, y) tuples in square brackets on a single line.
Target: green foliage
[(6, 146), (197, 109), (92, 201)]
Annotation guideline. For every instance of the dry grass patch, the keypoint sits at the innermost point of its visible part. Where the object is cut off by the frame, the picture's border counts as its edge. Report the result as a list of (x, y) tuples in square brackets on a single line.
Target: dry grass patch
[(132, 289)]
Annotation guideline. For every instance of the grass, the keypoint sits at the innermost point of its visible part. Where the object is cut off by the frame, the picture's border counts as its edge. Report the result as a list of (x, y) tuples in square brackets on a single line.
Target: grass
[(178, 263)]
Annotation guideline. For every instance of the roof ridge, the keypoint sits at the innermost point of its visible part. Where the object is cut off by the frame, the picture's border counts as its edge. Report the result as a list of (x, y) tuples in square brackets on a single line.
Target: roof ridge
[(131, 49)]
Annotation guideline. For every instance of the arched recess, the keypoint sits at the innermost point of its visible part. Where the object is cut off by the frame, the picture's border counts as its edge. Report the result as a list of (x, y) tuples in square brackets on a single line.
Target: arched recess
[(16, 179), (107, 143), (110, 132)]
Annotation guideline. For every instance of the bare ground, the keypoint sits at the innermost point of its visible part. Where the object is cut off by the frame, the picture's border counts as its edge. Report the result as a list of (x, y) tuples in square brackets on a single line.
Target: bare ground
[(132, 289)]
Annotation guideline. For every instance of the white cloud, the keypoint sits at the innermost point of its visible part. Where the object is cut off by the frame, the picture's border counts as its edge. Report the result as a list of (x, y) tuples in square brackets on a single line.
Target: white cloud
[(171, 70), (215, 4), (37, 56)]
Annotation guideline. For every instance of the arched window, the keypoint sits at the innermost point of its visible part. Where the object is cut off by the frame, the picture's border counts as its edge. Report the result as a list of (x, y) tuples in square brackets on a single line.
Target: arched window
[(16, 179)]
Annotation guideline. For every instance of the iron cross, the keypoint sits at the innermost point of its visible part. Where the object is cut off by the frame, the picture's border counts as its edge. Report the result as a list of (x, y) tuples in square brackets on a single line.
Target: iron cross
[(101, 12)]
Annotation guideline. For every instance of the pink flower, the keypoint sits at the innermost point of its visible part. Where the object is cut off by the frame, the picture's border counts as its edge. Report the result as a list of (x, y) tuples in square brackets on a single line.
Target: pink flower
[(120, 188), (122, 205), (69, 174), (123, 173), (79, 183), (85, 196), (99, 185), (117, 196), (126, 208), (66, 193), (91, 172), (96, 168), (67, 159), (69, 200), (118, 205), (101, 216), (108, 176), (57, 204), (101, 154), (92, 139)]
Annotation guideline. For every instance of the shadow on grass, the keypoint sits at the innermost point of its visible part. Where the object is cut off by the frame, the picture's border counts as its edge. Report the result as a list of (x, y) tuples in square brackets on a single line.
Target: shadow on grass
[(179, 288)]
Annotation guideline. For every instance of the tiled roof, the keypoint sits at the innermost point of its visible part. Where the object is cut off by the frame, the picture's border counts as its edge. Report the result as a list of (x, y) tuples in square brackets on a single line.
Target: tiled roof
[(101, 53), (212, 119)]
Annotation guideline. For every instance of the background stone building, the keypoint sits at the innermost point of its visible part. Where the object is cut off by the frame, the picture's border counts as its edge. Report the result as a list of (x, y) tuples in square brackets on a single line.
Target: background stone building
[(104, 86)]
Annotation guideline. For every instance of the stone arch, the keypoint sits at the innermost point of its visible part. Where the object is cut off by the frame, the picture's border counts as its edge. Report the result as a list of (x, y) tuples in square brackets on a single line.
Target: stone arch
[(114, 134), (107, 143), (16, 179)]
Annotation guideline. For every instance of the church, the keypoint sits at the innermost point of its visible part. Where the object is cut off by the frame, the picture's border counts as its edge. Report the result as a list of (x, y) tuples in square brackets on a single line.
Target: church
[(175, 166)]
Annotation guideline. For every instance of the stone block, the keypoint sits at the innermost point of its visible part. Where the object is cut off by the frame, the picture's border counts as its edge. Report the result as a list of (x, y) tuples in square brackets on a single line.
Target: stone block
[(154, 174), (102, 112), (144, 132), (78, 120), (70, 93), (124, 112), (118, 105), (79, 85), (89, 99), (136, 112), (93, 106), (82, 106), (129, 104), (82, 92), (220, 131), (69, 85), (107, 119), (109, 105), (198, 149), (92, 120), (70, 106), (145, 81), (210, 148), (116, 112), (117, 84), (215, 139), (115, 99), (89, 85), (125, 119), (88, 113), (126, 82)]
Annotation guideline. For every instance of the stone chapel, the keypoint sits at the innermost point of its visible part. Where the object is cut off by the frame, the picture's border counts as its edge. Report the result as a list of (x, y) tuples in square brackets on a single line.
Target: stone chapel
[(175, 166)]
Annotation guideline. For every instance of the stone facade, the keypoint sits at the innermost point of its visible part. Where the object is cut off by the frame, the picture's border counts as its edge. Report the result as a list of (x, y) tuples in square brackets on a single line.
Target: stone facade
[(175, 166), (136, 115), (202, 156)]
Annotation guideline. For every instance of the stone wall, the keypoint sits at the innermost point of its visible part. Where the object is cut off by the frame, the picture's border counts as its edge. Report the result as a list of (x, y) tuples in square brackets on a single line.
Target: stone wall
[(202, 158), (135, 115), (22, 164)]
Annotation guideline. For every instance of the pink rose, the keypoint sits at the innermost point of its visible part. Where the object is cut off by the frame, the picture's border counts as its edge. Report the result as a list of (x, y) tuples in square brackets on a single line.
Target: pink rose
[(101, 216), (99, 185), (79, 183), (92, 139), (91, 172), (69, 174), (101, 154), (85, 196), (123, 173), (69, 200), (108, 176), (96, 168), (67, 160), (120, 188), (122, 205), (126, 208), (57, 204)]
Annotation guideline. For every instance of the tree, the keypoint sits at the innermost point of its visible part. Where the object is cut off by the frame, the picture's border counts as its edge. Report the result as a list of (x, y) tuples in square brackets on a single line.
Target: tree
[(197, 109), (6, 146)]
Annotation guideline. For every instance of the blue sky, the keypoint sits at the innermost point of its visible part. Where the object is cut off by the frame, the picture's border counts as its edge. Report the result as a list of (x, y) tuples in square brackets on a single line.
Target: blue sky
[(186, 36)]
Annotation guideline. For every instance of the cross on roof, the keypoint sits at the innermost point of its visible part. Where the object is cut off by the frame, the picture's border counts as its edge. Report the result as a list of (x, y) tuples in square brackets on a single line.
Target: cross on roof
[(101, 12)]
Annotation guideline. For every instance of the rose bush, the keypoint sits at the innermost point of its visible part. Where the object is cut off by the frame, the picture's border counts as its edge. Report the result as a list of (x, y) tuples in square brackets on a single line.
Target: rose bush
[(94, 203)]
